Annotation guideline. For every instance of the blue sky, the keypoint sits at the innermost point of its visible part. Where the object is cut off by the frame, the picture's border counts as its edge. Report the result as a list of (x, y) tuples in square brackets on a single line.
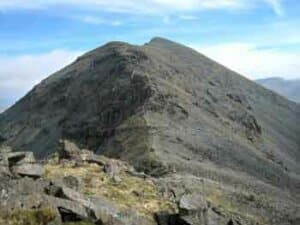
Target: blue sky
[(258, 38)]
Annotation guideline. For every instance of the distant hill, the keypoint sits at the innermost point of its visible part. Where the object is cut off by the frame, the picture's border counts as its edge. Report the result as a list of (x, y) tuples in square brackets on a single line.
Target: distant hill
[(287, 88)]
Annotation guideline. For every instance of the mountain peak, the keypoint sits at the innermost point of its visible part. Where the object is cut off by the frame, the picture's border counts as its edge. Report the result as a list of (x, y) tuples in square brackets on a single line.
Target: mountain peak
[(164, 43), (163, 107), (160, 40)]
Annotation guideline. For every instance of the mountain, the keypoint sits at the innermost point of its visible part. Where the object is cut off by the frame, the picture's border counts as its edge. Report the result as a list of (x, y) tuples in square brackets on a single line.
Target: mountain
[(287, 88), (176, 115)]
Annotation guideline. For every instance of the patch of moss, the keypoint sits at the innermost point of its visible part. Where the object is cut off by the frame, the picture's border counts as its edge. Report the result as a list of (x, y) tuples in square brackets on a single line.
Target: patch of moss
[(27, 217)]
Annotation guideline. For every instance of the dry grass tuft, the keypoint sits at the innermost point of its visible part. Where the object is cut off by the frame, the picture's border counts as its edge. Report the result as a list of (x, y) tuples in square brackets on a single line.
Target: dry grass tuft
[(132, 192), (27, 217)]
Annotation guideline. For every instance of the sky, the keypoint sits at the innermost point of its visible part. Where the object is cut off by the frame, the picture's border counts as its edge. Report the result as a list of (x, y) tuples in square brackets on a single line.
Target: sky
[(257, 38)]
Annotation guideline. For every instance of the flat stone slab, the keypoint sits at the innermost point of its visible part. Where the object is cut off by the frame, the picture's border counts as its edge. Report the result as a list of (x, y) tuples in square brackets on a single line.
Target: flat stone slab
[(28, 169)]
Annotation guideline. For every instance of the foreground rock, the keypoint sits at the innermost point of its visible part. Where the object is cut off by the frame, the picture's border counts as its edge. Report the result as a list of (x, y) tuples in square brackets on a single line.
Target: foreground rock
[(28, 169), (65, 191), (19, 163)]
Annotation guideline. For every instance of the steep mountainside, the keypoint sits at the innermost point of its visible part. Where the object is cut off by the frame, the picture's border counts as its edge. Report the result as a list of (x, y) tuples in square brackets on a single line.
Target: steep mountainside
[(165, 108), (288, 88)]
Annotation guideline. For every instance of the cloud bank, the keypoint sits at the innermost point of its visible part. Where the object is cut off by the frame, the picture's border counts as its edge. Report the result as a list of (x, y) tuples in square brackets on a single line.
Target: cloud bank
[(19, 74), (143, 6), (254, 62)]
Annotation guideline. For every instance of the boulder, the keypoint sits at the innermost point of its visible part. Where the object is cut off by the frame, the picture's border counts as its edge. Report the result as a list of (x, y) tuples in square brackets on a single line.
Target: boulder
[(116, 179), (68, 150), (10, 159), (130, 217), (23, 193), (104, 211), (92, 158), (18, 158), (75, 196), (193, 209), (112, 167), (29, 169), (67, 210)]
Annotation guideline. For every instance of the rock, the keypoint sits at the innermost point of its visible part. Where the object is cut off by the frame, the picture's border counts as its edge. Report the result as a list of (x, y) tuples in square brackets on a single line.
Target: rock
[(104, 211), (112, 167), (75, 196), (165, 218), (134, 173), (130, 217), (193, 209), (67, 210), (28, 169), (24, 193), (18, 158), (92, 158), (116, 179), (216, 217), (54, 190), (68, 150)]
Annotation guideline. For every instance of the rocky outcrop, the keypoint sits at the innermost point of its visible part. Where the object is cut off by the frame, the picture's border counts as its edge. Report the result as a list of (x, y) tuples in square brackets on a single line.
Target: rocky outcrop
[(19, 163), (65, 197)]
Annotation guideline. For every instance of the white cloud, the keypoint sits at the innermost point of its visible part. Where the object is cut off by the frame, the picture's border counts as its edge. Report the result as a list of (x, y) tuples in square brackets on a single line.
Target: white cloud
[(19, 74), (276, 6), (142, 6), (99, 21), (254, 62)]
